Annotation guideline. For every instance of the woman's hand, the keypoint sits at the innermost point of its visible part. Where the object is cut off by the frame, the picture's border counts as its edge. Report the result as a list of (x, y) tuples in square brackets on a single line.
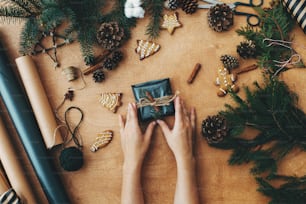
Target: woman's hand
[(180, 137), (134, 143)]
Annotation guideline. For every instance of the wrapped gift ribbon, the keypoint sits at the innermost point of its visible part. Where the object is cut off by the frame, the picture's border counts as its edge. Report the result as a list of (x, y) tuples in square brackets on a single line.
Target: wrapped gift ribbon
[(297, 9)]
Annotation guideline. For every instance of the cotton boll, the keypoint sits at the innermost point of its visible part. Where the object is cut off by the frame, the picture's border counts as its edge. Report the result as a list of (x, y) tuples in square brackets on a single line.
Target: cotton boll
[(128, 12), (138, 12)]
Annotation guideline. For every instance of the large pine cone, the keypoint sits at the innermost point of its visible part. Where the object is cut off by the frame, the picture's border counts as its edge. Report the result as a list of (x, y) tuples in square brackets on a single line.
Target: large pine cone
[(110, 35), (247, 49), (220, 17), (214, 129), (189, 6)]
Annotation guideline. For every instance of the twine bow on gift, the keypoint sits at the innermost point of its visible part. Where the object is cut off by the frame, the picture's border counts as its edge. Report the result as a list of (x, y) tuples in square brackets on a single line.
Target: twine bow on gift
[(156, 102)]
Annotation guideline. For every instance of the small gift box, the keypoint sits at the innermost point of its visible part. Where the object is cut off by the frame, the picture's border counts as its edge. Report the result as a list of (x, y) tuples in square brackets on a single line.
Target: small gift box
[(154, 99)]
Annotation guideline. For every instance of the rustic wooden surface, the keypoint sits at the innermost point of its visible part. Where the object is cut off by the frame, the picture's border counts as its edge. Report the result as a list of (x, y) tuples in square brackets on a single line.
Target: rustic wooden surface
[(99, 181)]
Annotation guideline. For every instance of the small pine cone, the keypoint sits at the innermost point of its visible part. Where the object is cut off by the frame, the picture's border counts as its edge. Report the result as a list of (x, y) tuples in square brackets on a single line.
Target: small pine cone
[(189, 6), (117, 57), (110, 35), (247, 49), (220, 17), (108, 63), (171, 4), (98, 75), (229, 62), (214, 129)]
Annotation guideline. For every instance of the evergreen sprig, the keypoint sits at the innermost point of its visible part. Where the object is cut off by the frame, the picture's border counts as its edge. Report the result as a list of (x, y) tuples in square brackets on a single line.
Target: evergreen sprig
[(276, 24), (272, 110), (292, 191), (155, 9)]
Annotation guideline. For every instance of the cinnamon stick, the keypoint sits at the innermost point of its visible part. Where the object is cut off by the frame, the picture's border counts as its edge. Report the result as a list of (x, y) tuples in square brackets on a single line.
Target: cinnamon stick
[(194, 73), (101, 57), (245, 69), (151, 99)]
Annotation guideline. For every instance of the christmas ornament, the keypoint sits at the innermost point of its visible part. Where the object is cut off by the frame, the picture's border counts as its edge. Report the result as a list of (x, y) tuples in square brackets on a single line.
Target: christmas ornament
[(226, 82), (247, 49), (189, 6), (171, 4), (214, 129), (171, 22), (220, 17), (111, 101), (57, 42), (229, 62), (102, 140), (110, 35), (98, 75), (132, 8), (146, 48)]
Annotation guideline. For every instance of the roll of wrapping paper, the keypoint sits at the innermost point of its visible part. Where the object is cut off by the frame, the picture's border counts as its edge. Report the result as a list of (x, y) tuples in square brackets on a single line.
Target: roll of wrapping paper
[(24, 121), (39, 101), (13, 168)]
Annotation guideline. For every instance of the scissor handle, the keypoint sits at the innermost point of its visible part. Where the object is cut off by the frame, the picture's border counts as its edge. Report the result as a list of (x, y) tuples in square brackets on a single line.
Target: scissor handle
[(253, 20), (260, 3)]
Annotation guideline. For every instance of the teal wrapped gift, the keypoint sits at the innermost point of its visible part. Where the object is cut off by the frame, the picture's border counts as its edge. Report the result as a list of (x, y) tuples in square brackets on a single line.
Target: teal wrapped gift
[(154, 99)]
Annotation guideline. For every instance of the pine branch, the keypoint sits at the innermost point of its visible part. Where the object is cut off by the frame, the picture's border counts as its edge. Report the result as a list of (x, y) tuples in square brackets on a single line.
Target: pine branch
[(29, 36), (155, 9)]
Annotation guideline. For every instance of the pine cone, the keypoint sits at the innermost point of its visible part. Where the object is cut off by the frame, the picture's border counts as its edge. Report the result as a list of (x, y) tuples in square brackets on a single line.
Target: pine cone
[(247, 49), (117, 57), (220, 17), (98, 75), (110, 35), (189, 6), (108, 63), (229, 62), (171, 4), (214, 129)]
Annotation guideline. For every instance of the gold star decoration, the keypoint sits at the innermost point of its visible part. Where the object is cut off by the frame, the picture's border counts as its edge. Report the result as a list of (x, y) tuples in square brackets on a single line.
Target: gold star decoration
[(171, 22)]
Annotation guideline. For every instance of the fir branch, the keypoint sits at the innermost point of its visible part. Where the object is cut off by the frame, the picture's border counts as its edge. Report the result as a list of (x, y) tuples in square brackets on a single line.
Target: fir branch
[(293, 191), (29, 36), (272, 110), (155, 9)]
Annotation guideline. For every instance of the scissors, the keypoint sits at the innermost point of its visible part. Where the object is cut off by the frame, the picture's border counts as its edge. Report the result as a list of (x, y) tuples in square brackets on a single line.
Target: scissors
[(252, 19)]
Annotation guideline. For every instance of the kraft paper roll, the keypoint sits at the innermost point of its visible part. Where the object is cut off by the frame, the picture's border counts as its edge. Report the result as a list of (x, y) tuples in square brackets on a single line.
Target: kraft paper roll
[(13, 168), (24, 121), (39, 101)]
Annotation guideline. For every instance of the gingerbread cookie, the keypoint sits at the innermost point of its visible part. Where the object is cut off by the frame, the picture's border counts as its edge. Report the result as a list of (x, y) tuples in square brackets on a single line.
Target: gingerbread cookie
[(146, 48), (102, 140), (226, 82), (171, 22), (111, 101)]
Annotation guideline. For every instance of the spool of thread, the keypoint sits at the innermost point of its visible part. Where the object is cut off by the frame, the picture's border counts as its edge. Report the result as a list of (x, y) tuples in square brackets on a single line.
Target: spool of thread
[(71, 73)]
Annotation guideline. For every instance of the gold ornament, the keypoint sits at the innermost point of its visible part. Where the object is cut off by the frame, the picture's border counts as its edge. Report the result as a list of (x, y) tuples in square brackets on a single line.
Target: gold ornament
[(111, 101), (102, 140), (146, 48), (171, 22)]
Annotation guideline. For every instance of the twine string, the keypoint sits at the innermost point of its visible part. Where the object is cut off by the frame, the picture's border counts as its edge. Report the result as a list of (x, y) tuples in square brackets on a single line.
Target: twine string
[(162, 101), (77, 139)]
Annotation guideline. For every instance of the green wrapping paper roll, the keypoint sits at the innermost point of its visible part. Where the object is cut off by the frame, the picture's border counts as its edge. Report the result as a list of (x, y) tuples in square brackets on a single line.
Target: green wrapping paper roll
[(24, 121)]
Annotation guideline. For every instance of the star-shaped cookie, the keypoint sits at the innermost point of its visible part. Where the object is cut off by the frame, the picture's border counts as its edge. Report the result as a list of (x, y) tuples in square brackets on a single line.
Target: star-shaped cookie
[(171, 22)]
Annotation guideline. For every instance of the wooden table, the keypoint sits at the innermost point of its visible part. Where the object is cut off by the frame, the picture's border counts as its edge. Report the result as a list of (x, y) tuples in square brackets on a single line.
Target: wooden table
[(99, 181)]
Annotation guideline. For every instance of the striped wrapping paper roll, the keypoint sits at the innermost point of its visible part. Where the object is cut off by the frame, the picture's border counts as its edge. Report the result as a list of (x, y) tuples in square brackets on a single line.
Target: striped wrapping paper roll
[(297, 8), (10, 197)]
